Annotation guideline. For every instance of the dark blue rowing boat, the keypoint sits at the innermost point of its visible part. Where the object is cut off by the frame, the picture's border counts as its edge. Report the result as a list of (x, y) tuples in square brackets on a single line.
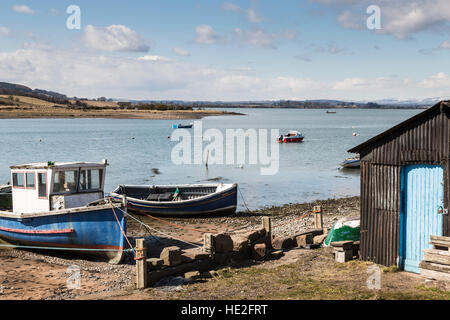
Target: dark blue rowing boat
[(179, 200)]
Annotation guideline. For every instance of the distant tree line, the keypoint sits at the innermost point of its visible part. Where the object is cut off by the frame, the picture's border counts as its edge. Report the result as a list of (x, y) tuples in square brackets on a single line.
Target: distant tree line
[(152, 106)]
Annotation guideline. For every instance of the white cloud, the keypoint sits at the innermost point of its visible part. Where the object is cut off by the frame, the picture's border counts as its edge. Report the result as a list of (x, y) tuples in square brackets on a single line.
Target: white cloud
[(113, 38), (350, 21), (445, 45), (231, 7), (365, 84), (438, 80), (257, 38), (205, 34), (289, 34), (401, 18), (4, 32), (253, 17), (23, 9), (181, 52), (154, 58), (88, 74)]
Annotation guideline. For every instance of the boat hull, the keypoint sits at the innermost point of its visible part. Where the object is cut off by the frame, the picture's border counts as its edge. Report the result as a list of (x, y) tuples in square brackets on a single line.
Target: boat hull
[(93, 230), (219, 203), (351, 164), (289, 140)]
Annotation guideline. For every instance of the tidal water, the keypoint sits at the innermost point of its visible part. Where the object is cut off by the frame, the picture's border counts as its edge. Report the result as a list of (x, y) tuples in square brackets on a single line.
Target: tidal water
[(307, 170)]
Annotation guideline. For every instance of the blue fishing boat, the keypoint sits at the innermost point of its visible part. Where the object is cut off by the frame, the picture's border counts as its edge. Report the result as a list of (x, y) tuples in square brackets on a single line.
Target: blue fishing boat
[(61, 206), (179, 200)]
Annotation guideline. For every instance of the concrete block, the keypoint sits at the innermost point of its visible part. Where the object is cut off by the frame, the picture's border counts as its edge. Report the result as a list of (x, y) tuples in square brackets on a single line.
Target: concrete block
[(343, 256), (319, 239), (283, 243), (223, 243), (304, 240), (259, 251), (171, 256), (154, 263)]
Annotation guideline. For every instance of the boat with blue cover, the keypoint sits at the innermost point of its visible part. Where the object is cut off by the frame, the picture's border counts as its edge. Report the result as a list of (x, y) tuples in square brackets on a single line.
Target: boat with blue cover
[(61, 206), (179, 200), (183, 126)]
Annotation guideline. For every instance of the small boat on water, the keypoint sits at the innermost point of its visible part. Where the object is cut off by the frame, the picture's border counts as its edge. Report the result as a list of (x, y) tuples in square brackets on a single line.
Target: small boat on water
[(328, 111), (179, 200), (291, 136), (351, 162), (52, 208), (183, 126)]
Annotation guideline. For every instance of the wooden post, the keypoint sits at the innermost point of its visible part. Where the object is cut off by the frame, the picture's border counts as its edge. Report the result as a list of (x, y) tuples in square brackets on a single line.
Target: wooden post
[(318, 218), (267, 225), (141, 264), (208, 243), (124, 202)]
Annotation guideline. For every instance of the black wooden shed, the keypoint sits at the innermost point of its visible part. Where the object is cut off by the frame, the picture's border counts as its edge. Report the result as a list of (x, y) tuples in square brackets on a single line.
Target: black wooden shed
[(404, 188)]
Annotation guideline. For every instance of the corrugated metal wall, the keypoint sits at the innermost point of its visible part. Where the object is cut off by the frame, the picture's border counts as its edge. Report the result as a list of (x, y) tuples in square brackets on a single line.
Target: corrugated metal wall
[(425, 141), (380, 208)]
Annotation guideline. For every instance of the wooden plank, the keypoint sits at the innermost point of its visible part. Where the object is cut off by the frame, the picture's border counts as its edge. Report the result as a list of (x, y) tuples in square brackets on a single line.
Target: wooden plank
[(436, 275), (439, 241), (440, 238), (345, 245), (436, 256), (434, 266)]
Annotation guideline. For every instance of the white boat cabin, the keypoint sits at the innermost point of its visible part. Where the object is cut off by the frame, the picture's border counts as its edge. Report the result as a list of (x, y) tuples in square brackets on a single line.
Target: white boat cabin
[(42, 187)]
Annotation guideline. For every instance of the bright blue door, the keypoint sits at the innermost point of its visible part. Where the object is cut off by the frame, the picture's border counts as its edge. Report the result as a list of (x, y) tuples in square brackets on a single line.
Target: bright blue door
[(422, 198)]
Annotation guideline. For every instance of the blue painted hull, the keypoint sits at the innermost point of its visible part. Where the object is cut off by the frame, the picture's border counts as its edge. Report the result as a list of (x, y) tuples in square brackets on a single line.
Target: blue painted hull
[(217, 203), (93, 229)]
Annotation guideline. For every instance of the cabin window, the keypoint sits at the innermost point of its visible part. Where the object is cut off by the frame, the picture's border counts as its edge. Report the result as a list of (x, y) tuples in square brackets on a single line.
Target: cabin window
[(31, 183), (91, 179), (18, 180), (65, 181), (42, 185)]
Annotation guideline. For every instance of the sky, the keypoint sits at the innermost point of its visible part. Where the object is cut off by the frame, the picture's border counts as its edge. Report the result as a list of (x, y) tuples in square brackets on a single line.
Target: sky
[(229, 50)]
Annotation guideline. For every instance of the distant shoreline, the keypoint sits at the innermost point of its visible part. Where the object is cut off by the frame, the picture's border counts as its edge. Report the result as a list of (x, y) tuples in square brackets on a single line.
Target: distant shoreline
[(324, 108), (60, 113)]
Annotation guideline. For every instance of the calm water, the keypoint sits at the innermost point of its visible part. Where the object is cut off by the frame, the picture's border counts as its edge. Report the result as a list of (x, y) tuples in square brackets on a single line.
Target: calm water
[(308, 170)]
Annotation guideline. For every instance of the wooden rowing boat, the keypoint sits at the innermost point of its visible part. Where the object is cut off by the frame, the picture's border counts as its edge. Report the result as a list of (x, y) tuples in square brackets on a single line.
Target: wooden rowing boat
[(179, 200)]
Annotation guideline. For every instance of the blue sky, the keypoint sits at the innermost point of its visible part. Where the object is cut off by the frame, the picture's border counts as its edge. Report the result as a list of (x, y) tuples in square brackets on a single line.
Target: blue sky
[(229, 50)]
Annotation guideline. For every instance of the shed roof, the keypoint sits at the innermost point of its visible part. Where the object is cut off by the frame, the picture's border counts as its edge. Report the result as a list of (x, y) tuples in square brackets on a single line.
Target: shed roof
[(62, 165), (441, 105)]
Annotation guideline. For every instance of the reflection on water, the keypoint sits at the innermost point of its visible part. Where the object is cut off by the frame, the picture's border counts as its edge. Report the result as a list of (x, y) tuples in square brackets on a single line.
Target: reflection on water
[(139, 151)]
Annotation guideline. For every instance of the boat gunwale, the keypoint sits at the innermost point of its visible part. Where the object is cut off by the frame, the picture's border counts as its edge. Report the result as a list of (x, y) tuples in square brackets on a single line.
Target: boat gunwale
[(16, 215)]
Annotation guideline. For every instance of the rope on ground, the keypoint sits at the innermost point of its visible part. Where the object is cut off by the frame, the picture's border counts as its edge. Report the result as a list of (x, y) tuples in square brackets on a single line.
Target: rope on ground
[(174, 224), (240, 229), (121, 229), (60, 248), (240, 192), (166, 234)]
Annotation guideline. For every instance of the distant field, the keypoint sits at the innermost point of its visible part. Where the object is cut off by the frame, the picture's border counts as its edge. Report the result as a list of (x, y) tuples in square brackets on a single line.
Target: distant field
[(28, 101)]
